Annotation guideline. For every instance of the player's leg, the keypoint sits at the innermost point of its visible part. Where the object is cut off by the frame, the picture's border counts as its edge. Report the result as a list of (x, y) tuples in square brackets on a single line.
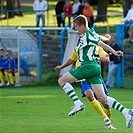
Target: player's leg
[(2, 78), (11, 76), (106, 108), (43, 20), (16, 76), (58, 18), (113, 103), (64, 82), (37, 20), (87, 91), (128, 113), (110, 79), (7, 77)]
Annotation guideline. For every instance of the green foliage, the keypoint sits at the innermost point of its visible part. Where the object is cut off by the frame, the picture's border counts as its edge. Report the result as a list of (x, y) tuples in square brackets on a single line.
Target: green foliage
[(115, 1), (45, 110)]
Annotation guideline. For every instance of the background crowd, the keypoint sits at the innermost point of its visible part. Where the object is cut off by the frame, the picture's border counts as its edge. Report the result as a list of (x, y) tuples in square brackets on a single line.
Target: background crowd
[(9, 69), (64, 9)]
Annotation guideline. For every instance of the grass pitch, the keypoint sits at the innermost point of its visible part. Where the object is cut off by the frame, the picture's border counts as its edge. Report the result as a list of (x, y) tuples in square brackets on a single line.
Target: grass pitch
[(45, 110)]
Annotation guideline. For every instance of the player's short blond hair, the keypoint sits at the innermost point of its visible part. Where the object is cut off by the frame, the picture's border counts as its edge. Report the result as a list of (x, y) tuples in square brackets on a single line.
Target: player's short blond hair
[(81, 20)]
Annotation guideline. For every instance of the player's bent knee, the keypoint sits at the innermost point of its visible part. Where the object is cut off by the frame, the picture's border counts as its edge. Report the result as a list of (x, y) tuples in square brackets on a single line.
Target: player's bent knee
[(61, 82)]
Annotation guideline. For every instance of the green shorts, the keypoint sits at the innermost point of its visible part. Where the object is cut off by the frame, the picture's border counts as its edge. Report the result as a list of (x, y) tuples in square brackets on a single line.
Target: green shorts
[(90, 72)]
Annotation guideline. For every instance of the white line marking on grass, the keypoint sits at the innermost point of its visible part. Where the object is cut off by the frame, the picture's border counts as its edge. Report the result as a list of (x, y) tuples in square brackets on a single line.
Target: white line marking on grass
[(30, 96)]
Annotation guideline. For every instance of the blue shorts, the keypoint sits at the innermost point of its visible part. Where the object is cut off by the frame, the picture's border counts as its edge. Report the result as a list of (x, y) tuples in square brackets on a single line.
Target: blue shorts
[(85, 86)]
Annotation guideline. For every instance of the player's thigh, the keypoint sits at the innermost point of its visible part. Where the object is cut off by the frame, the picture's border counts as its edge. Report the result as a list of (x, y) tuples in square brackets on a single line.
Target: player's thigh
[(67, 77)]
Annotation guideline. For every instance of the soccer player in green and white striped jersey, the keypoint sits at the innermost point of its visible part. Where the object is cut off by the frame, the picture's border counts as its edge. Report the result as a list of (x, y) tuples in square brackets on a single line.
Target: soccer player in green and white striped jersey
[(91, 71)]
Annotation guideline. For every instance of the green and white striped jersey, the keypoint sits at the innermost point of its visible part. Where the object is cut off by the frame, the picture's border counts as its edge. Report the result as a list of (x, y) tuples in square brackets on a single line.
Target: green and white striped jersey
[(87, 47)]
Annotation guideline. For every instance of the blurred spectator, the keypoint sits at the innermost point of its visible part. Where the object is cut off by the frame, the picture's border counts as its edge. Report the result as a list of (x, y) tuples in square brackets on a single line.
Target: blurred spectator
[(1, 73), (24, 69), (1, 51), (113, 64), (40, 6), (7, 69), (1, 56), (128, 20), (59, 11), (67, 10), (77, 9), (88, 12)]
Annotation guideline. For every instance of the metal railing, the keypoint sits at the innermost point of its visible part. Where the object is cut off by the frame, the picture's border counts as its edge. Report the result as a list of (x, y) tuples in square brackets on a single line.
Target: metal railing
[(120, 75)]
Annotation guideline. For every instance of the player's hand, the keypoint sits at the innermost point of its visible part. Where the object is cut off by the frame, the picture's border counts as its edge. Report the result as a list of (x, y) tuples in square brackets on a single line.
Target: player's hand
[(57, 68), (108, 36), (118, 53)]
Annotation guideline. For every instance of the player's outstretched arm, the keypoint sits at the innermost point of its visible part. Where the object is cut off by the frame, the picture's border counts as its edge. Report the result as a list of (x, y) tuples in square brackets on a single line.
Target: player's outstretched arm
[(68, 62), (108, 36), (108, 48), (105, 38)]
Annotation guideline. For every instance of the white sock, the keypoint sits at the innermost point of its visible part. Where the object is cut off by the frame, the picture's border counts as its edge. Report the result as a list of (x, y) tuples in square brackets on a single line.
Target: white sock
[(71, 93), (116, 105)]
